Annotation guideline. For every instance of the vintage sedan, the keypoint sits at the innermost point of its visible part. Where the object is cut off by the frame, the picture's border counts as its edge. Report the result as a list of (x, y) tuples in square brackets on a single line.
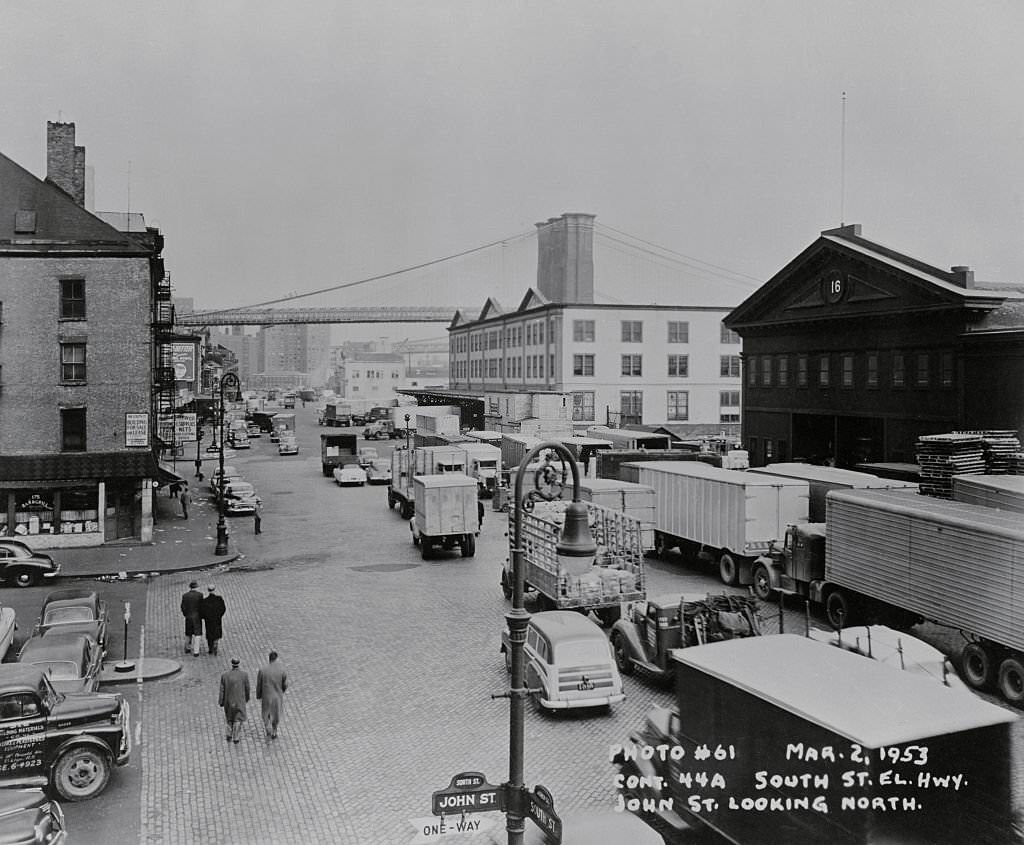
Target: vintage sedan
[(22, 567), (379, 471), (350, 474), (71, 661), (80, 611), (239, 497), (288, 446), (253, 430)]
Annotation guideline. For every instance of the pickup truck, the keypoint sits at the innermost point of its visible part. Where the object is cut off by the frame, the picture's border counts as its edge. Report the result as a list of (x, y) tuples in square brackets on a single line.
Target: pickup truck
[(69, 742)]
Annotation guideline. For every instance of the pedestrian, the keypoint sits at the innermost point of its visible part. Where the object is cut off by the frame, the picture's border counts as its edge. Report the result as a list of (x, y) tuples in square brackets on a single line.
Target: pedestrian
[(172, 490), (271, 684), (186, 499), (191, 609), (234, 696), (212, 610), (479, 515), (199, 468), (257, 516)]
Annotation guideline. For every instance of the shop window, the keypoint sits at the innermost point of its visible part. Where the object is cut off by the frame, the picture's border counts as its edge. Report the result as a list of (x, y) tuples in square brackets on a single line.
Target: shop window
[(33, 512), (72, 299), (72, 428)]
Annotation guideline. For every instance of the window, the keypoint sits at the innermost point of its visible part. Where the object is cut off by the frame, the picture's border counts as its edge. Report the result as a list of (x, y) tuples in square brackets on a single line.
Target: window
[(752, 371), (632, 365), (729, 398), (923, 367), (551, 365), (728, 416), (72, 362), (679, 365), (678, 405), (783, 362), (899, 370), (801, 371), (583, 331), (729, 366), (766, 371), (946, 369), (583, 406), (728, 335), (631, 407), (823, 371), (72, 430), (847, 376), (872, 374), (632, 331), (72, 299), (678, 332)]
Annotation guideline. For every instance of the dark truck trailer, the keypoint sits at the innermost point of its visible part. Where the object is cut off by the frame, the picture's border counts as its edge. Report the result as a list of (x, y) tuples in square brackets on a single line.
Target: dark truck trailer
[(337, 450), (808, 743)]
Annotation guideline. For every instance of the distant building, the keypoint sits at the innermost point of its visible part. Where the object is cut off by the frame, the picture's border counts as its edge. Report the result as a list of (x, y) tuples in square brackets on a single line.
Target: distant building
[(370, 375), (84, 310), (292, 355)]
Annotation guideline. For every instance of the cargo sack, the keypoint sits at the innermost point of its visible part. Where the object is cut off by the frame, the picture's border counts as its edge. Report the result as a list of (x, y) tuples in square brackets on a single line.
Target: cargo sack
[(733, 624)]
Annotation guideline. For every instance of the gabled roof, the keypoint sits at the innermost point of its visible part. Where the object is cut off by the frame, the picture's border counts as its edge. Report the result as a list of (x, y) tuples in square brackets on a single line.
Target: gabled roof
[(457, 319), (887, 282), (533, 299), (491, 309), (36, 217)]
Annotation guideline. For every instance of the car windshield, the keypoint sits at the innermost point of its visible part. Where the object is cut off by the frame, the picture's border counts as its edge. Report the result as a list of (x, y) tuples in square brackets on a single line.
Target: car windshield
[(59, 670), (581, 652), (240, 490), (351, 468), (57, 615)]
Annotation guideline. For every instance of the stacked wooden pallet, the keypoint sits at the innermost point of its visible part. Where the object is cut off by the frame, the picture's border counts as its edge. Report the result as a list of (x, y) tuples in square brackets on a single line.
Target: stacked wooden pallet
[(1016, 464), (999, 447), (941, 456)]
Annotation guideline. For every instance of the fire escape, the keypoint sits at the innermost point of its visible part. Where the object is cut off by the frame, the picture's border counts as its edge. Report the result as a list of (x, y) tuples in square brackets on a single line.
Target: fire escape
[(164, 393)]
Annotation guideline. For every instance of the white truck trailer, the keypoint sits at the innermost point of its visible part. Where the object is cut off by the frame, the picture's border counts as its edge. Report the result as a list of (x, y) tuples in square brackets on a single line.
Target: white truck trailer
[(1005, 492), (426, 460), (728, 517), (446, 514)]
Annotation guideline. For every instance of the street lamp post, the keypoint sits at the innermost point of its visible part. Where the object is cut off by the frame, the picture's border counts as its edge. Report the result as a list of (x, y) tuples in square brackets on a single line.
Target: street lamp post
[(227, 380), (576, 541), (408, 442)]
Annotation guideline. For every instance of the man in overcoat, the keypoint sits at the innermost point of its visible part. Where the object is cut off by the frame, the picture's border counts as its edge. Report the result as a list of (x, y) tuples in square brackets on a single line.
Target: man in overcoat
[(212, 610), (234, 698), (191, 609), (271, 684)]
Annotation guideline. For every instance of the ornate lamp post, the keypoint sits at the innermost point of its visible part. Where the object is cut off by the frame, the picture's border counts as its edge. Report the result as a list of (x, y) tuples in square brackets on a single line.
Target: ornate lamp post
[(408, 442), (228, 380), (576, 541)]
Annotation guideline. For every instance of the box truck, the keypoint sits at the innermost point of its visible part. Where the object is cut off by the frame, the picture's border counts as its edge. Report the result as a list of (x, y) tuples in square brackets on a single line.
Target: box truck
[(446, 515), (408, 463)]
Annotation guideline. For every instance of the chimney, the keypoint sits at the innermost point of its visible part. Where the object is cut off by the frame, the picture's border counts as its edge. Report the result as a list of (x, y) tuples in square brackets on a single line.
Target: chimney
[(963, 276), (65, 163), (565, 258)]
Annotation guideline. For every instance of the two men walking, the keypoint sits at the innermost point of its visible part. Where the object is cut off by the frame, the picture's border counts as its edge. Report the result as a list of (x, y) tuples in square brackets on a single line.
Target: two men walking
[(202, 612), (271, 684)]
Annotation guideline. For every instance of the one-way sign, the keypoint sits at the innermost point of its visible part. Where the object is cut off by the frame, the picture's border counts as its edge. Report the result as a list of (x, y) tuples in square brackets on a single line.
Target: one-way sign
[(540, 806), (468, 792)]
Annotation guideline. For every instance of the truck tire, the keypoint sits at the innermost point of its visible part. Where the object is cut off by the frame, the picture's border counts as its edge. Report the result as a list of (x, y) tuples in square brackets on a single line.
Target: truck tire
[(391, 500), (406, 510), (661, 546), (838, 610), (81, 772), (1011, 680), (326, 470), (977, 666), (608, 616), (506, 587), (468, 545), (763, 583), (426, 548), (728, 570), (622, 659)]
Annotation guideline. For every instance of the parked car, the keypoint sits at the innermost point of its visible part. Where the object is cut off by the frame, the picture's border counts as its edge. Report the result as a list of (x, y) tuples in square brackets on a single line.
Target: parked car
[(379, 471), (71, 742), (253, 430), (568, 661), (367, 455), (7, 629), (72, 661), (31, 817), (238, 439), (350, 474), (22, 567), (288, 446), (77, 610), (239, 497), (230, 474)]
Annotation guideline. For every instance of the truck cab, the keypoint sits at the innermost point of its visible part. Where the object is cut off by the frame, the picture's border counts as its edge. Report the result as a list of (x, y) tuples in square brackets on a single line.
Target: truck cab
[(795, 565)]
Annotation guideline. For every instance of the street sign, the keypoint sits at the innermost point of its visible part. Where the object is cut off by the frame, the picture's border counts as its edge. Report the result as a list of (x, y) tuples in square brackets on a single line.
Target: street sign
[(540, 807), (468, 792), (431, 829)]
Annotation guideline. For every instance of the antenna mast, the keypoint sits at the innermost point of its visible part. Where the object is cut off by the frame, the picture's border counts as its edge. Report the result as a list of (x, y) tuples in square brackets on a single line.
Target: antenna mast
[(842, 168)]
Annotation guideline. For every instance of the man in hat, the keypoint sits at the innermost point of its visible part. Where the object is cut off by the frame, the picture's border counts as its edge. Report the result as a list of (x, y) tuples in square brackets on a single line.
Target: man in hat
[(212, 610), (271, 683), (191, 609), (234, 697)]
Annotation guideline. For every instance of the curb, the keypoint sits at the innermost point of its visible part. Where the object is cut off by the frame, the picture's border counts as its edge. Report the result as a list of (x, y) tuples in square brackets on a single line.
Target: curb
[(135, 573)]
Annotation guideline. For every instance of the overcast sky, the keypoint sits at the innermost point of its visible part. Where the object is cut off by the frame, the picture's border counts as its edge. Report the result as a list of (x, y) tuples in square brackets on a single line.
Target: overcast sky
[(289, 146)]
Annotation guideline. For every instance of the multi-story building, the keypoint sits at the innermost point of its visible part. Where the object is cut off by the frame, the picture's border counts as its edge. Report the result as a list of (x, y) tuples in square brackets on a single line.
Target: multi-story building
[(621, 364), (370, 375), (297, 351), (80, 303), (854, 350)]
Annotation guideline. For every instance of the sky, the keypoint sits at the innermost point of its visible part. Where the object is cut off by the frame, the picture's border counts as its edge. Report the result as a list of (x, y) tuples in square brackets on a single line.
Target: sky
[(286, 147)]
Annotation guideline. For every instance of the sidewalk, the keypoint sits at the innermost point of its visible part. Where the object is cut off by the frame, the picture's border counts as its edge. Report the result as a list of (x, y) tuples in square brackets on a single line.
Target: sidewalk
[(178, 544)]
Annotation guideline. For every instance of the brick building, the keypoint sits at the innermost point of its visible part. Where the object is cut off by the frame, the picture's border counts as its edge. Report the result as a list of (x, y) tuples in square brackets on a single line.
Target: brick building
[(854, 350), (80, 301)]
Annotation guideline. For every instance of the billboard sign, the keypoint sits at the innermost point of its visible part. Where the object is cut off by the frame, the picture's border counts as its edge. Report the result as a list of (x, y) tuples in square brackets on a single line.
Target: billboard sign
[(183, 357), (136, 430)]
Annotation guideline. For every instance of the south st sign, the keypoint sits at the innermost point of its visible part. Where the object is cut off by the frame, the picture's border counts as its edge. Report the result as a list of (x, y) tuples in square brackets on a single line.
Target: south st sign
[(468, 792)]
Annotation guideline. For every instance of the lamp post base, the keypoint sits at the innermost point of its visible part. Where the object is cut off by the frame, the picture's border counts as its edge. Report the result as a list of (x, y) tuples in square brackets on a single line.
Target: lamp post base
[(222, 540)]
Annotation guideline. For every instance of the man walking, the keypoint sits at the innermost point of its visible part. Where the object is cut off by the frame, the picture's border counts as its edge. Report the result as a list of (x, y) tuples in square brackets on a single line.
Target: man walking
[(271, 684), (212, 610), (234, 697), (257, 516), (191, 609), (185, 500)]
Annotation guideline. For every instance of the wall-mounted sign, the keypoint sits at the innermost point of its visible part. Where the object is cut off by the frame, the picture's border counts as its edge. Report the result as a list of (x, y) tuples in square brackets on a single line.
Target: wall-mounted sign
[(136, 429), (177, 428), (183, 357)]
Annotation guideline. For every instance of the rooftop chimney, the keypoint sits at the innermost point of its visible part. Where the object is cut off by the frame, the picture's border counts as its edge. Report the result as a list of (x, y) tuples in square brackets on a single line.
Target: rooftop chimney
[(65, 163), (565, 258), (963, 276)]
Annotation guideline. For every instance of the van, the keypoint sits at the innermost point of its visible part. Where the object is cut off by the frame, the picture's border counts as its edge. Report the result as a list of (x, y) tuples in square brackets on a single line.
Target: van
[(568, 661)]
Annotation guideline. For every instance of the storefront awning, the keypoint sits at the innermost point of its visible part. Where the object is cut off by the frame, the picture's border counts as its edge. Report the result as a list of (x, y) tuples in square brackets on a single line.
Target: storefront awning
[(67, 468), (165, 475)]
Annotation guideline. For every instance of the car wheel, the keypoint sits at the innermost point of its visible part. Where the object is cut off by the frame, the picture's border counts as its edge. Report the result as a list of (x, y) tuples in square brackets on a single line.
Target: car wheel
[(81, 773), (621, 657), (24, 578)]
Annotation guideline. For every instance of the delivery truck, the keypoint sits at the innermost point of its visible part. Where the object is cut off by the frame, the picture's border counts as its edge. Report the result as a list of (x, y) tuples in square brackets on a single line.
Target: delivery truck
[(483, 462), (902, 559), (282, 423), (784, 739), (726, 516), (337, 413), (408, 463), (337, 450), (821, 479), (637, 500), (445, 514), (515, 447)]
